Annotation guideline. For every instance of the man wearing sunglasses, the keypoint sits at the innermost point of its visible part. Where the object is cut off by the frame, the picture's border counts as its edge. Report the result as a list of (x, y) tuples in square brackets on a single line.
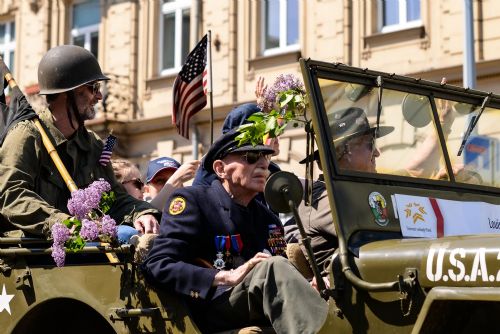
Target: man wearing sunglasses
[(69, 76), (219, 248), (355, 147)]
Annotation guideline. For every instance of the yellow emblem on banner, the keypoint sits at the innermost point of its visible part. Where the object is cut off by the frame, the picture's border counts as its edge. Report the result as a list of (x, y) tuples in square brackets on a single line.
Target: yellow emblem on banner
[(177, 205)]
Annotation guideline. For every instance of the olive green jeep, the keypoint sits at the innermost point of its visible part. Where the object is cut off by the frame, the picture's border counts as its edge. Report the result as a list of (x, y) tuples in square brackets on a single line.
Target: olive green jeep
[(419, 249), (418, 245)]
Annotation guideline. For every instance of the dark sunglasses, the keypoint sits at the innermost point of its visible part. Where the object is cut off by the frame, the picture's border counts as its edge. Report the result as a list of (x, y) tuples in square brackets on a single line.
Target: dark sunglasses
[(96, 87), (137, 183), (252, 157)]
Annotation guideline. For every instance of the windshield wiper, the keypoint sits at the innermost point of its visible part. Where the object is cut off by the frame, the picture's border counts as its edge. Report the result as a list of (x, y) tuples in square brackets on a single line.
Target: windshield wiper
[(472, 124)]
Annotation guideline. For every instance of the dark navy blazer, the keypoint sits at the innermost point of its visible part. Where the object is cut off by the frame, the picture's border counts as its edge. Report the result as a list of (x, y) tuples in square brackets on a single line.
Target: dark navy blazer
[(190, 235)]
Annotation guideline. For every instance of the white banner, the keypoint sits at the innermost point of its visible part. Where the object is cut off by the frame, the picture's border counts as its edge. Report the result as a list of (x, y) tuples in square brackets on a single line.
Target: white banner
[(430, 218)]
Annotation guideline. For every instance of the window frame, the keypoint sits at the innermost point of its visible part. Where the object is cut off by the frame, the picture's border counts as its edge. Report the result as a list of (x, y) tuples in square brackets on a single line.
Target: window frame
[(177, 7), (283, 30), (86, 31), (403, 20), (10, 44)]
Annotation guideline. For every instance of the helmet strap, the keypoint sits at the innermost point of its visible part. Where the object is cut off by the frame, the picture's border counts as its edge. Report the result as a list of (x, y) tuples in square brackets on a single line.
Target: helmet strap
[(71, 105)]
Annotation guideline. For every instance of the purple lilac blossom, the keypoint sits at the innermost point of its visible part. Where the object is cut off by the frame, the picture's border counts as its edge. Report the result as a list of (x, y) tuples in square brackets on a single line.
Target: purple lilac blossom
[(83, 201), (282, 83), (101, 185), (89, 230), (58, 254), (60, 233), (78, 204), (108, 226)]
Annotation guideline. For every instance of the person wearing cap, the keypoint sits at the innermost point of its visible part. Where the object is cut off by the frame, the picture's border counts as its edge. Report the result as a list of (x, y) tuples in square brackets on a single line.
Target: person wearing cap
[(34, 194), (354, 142), (236, 117), (219, 248), (164, 175)]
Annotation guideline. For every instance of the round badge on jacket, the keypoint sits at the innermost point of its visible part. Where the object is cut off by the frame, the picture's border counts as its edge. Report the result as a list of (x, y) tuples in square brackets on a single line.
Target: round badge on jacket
[(177, 205)]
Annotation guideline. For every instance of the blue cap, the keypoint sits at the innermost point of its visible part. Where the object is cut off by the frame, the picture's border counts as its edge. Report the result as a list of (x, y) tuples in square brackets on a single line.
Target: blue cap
[(157, 165), (227, 144), (238, 116)]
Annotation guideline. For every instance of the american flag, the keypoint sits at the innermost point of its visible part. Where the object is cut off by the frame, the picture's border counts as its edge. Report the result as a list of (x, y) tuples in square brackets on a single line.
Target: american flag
[(107, 150), (189, 97)]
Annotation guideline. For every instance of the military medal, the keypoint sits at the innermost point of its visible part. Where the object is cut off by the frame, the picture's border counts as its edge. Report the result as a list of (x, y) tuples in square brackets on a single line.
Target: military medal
[(237, 244), (229, 256), (220, 242), (276, 242)]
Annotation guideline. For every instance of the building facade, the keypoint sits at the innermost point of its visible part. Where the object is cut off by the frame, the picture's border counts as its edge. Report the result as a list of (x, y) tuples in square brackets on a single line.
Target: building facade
[(142, 44)]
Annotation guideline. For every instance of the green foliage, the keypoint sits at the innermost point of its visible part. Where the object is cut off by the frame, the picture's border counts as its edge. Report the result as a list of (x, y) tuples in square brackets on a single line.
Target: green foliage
[(292, 103), (75, 243), (107, 200)]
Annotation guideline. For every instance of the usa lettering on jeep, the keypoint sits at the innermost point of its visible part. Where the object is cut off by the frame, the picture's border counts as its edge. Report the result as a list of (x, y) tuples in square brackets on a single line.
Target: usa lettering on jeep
[(459, 264)]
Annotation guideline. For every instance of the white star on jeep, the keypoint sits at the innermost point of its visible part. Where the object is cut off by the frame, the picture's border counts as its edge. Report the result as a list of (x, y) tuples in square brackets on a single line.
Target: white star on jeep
[(5, 300)]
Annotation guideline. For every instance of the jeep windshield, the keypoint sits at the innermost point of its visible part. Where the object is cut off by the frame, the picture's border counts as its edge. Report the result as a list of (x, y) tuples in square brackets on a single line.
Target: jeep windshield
[(440, 132), (423, 156)]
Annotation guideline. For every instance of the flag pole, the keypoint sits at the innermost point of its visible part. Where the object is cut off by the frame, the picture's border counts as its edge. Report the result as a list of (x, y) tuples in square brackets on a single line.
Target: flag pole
[(209, 84)]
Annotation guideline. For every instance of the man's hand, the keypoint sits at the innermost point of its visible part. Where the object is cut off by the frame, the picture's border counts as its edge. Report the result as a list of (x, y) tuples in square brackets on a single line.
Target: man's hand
[(184, 173), (233, 277), (147, 224), (260, 89), (314, 283), (445, 110)]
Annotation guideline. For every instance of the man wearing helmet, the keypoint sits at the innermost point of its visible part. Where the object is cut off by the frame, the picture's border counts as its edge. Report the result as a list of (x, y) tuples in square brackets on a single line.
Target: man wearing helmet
[(32, 192)]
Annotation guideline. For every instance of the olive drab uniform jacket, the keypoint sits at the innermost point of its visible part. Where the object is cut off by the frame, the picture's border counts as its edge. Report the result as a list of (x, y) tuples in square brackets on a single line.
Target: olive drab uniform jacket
[(33, 195)]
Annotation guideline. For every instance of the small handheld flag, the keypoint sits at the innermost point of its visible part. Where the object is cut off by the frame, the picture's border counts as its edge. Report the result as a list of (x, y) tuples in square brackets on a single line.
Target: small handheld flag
[(107, 150), (189, 97)]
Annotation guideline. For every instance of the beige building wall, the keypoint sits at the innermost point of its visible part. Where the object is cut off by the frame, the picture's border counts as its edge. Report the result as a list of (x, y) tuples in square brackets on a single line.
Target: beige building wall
[(139, 103)]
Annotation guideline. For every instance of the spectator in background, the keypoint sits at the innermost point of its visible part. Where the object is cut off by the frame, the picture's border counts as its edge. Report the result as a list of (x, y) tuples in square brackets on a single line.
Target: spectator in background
[(129, 176), (164, 175)]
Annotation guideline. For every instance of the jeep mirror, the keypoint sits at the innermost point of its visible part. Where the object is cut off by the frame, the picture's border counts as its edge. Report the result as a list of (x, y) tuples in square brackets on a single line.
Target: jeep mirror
[(282, 187), (417, 110)]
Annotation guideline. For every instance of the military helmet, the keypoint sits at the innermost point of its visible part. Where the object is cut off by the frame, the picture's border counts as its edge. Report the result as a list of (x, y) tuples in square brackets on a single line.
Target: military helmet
[(66, 67)]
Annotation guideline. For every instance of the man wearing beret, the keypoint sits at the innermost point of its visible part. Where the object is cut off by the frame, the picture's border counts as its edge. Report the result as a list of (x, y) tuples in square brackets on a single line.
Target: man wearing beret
[(219, 248)]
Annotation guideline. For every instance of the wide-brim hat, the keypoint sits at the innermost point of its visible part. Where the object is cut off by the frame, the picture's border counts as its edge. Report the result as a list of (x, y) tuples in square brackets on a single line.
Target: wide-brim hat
[(160, 164), (347, 124), (227, 144)]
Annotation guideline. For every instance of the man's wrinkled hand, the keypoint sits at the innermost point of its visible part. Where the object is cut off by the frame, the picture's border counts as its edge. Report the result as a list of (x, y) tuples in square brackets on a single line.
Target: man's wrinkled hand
[(233, 277), (147, 224)]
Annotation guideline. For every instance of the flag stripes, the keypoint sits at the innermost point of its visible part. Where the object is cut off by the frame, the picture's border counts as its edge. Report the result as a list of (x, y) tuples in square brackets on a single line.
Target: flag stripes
[(107, 150), (188, 90)]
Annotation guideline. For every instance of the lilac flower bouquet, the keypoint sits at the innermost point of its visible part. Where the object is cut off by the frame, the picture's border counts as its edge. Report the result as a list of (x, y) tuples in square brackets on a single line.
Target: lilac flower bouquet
[(89, 222), (281, 103)]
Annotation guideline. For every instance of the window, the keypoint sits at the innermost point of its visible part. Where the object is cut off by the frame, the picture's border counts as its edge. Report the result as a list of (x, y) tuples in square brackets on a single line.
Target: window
[(174, 34), (280, 26), (86, 19), (8, 43), (399, 14)]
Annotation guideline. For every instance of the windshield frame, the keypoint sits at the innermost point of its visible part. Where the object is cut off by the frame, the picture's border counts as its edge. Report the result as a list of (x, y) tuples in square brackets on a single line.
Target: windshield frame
[(314, 71)]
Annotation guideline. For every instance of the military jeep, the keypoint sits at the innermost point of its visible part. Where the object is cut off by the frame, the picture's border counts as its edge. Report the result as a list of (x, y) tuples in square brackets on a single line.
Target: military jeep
[(419, 249)]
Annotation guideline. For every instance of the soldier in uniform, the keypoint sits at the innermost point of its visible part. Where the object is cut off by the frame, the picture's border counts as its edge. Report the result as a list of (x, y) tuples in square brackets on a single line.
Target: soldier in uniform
[(32, 192), (354, 141), (217, 244)]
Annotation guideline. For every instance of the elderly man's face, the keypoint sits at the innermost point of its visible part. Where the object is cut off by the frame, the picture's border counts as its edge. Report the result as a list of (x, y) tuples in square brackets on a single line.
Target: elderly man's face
[(361, 155), (246, 172)]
